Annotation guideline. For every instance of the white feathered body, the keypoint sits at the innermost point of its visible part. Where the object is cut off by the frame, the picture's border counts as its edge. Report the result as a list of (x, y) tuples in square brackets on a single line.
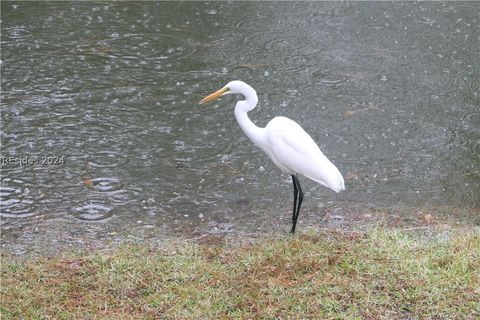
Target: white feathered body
[(295, 152)]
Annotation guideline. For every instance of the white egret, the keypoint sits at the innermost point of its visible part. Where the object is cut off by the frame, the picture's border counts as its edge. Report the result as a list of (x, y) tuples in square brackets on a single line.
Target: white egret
[(286, 143)]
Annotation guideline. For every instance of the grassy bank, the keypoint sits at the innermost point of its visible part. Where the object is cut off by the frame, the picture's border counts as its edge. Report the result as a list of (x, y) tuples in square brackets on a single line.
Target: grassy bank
[(380, 274)]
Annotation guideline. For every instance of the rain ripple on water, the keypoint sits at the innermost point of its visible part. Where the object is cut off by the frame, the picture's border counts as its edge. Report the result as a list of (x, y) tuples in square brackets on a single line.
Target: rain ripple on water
[(104, 184), (16, 200), (93, 212)]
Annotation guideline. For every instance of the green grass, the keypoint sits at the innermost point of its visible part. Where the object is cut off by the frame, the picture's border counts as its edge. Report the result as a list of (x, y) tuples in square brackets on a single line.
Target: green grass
[(379, 274)]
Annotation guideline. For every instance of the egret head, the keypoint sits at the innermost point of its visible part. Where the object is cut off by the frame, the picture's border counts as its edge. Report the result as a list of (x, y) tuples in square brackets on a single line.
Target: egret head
[(233, 87)]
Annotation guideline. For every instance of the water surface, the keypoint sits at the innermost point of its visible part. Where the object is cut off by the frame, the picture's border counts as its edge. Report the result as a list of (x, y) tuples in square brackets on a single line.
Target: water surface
[(101, 99)]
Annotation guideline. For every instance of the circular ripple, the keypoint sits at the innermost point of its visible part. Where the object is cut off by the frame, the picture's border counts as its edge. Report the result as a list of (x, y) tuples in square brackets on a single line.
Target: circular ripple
[(93, 212), (281, 45), (15, 199), (17, 33), (125, 196), (296, 62), (104, 184)]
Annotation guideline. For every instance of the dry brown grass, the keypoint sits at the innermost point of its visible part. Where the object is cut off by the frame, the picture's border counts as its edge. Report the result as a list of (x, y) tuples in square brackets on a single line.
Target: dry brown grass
[(380, 274)]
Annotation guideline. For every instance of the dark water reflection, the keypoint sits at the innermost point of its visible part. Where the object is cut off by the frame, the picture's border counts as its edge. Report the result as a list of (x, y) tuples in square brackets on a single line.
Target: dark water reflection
[(389, 90)]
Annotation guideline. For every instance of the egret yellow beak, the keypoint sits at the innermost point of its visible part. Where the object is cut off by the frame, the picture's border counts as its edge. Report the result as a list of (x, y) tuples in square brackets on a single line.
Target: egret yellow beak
[(217, 94)]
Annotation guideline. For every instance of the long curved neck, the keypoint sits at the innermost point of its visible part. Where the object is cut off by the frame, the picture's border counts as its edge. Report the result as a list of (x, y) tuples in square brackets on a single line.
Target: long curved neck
[(256, 134)]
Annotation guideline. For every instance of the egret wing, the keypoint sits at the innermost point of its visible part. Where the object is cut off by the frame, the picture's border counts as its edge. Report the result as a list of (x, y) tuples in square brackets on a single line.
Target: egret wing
[(293, 150)]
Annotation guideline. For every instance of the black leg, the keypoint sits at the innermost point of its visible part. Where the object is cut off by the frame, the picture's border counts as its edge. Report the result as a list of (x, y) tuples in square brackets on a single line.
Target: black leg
[(295, 194), (300, 198), (296, 210)]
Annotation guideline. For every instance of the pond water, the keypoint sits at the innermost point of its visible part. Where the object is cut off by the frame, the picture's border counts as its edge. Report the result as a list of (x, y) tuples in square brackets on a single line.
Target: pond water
[(103, 139)]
